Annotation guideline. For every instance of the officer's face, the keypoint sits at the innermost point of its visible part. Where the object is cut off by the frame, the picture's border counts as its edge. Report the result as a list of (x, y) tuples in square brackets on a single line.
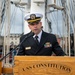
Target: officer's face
[(35, 27)]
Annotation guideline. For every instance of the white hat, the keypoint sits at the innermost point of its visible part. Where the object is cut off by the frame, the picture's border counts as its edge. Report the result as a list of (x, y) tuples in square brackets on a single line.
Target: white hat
[(33, 17)]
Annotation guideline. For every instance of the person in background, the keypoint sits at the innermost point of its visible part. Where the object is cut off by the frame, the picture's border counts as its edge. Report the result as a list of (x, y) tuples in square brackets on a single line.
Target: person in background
[(13, 52), (41, 43)]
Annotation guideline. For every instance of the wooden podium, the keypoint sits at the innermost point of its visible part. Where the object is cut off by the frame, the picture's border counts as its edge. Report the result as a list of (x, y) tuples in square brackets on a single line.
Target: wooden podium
[(44, 65)]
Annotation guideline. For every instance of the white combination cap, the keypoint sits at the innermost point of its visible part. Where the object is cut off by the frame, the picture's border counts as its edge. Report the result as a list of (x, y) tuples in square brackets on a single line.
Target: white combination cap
[(33, 17)]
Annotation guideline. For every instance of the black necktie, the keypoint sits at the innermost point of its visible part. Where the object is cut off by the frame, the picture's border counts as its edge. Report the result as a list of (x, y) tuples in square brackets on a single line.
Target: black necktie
[(36, 39)]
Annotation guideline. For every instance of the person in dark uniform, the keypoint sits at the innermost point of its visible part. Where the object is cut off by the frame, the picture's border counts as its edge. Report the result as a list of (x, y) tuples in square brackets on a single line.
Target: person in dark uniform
[(41, 43)]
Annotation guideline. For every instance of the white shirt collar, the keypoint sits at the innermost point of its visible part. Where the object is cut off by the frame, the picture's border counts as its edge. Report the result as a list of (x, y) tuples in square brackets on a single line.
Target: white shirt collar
[(39, 36)]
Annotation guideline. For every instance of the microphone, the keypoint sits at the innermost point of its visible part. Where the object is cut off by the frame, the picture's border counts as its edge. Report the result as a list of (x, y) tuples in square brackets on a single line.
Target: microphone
[(27, 36)]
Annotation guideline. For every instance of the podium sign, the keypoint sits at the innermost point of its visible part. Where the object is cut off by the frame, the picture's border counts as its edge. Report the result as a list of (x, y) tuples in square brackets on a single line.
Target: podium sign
[(44, 65)]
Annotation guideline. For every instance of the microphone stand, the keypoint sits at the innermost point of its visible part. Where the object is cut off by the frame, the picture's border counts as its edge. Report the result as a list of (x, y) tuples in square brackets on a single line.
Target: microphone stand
[(31, 34)]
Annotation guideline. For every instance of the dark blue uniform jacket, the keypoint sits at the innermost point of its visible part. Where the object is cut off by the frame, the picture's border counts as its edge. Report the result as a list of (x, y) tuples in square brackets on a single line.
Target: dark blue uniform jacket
[(47, 45)]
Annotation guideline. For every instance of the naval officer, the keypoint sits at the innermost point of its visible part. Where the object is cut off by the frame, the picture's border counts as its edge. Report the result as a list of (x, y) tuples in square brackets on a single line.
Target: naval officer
[(41, 43)]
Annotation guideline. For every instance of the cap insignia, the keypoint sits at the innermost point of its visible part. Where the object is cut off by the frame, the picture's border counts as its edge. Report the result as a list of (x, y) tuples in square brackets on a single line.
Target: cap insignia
[(32, 16)]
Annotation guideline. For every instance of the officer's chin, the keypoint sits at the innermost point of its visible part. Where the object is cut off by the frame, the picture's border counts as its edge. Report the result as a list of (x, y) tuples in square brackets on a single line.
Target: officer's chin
[(36, 31)]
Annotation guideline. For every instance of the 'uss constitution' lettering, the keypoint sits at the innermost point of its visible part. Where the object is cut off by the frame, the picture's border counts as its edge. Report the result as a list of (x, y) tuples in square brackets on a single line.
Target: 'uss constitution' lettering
[(49, 65)]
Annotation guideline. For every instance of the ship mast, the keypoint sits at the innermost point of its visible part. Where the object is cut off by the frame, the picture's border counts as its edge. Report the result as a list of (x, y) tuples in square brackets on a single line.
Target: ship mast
[(7, 30)]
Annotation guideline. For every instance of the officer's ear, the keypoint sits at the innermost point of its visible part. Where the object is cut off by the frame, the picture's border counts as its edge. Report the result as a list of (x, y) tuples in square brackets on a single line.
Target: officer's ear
[(40, 23)]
